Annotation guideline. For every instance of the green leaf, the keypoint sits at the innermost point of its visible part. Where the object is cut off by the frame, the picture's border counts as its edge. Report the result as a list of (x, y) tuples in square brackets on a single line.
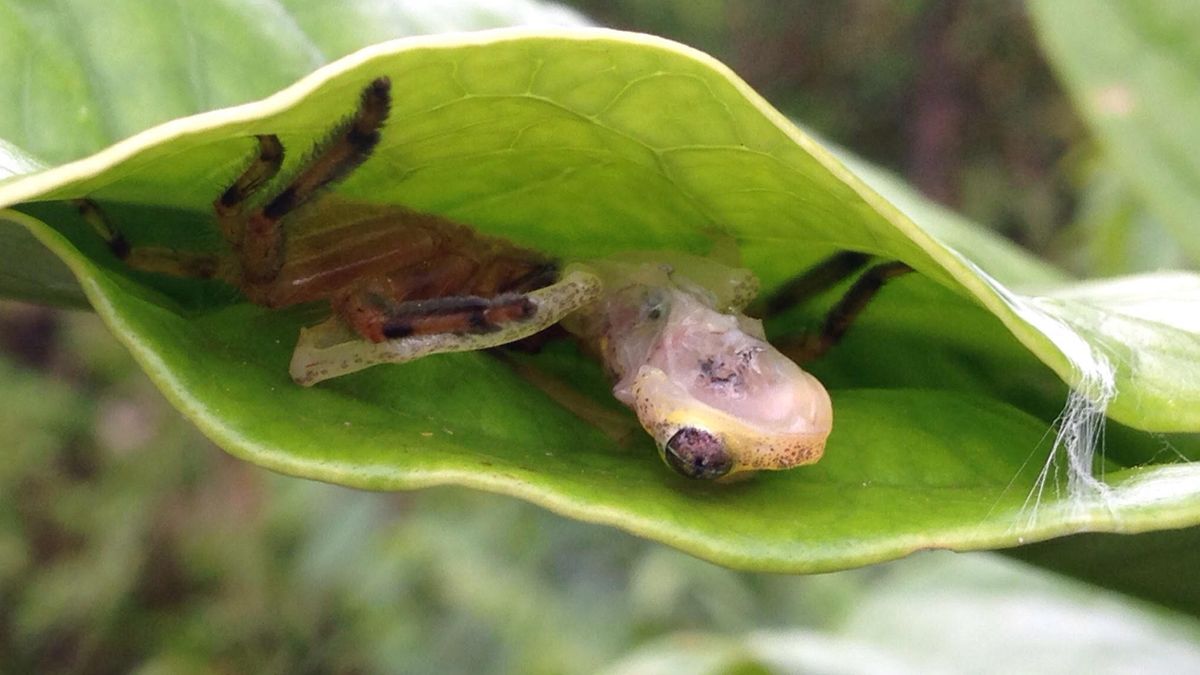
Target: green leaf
[(1134, 70), (586, 143)]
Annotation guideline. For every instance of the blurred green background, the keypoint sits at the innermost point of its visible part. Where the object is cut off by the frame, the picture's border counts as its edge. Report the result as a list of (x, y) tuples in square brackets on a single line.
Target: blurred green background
[(129, 542)]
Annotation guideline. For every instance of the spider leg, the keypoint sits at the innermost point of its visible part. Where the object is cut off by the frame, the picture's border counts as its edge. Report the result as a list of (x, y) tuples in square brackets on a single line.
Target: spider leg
[(810, 346), (161, 260), (262, 168), (349, 145), (156, 259), (618, 425), (814, 281), (372, 314)]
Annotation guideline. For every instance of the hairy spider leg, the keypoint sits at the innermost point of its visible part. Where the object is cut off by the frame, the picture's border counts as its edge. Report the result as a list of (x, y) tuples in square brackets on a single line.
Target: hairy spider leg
[(809, 346), (499, 297), (162, 260), (262, 167), (349, 145), (155, 259)]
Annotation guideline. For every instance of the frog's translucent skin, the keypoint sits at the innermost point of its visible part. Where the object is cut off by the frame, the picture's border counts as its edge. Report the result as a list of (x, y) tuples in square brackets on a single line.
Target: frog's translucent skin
[(717, 398)]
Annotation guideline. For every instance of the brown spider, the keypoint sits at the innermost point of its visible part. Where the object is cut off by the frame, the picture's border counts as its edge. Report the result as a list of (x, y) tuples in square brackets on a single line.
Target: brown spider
[(386, 272), (717, 398)]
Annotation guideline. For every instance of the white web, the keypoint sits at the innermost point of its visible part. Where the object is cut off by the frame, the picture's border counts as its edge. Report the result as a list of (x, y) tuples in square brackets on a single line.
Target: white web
[(1079, 429)]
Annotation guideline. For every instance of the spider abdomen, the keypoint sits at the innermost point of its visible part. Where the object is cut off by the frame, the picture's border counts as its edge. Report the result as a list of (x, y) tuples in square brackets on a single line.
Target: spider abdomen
[(400, 254)]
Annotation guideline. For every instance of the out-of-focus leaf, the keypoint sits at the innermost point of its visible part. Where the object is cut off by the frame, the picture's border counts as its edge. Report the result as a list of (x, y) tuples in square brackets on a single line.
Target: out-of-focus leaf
[(1134, 70), (946, 616), (1113, 232), (15, 161), (1158, 566), (29, 271)]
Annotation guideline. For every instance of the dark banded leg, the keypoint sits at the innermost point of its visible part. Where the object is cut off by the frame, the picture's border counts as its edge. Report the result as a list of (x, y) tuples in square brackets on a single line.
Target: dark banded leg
[(262, 168), (814, 281), (157, 259), (618, 425), (91, 213), (838, 320), (348, 146), (375, 317), (458, 315)]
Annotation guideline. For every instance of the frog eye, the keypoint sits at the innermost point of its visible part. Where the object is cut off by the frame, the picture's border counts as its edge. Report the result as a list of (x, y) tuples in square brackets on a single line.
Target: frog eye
[(655, 304), (695, 453)]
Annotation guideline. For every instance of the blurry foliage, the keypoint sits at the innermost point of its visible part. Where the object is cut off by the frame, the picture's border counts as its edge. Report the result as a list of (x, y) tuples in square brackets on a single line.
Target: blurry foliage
[(1113, 232), (1136, 87), (128, 541)]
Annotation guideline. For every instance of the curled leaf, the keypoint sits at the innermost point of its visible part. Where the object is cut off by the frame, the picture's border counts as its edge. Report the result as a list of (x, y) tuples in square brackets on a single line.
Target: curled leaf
[(585, 143)]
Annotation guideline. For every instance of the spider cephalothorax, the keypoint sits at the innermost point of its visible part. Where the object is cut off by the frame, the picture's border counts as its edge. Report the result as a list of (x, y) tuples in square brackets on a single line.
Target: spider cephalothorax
[(717, 398)]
